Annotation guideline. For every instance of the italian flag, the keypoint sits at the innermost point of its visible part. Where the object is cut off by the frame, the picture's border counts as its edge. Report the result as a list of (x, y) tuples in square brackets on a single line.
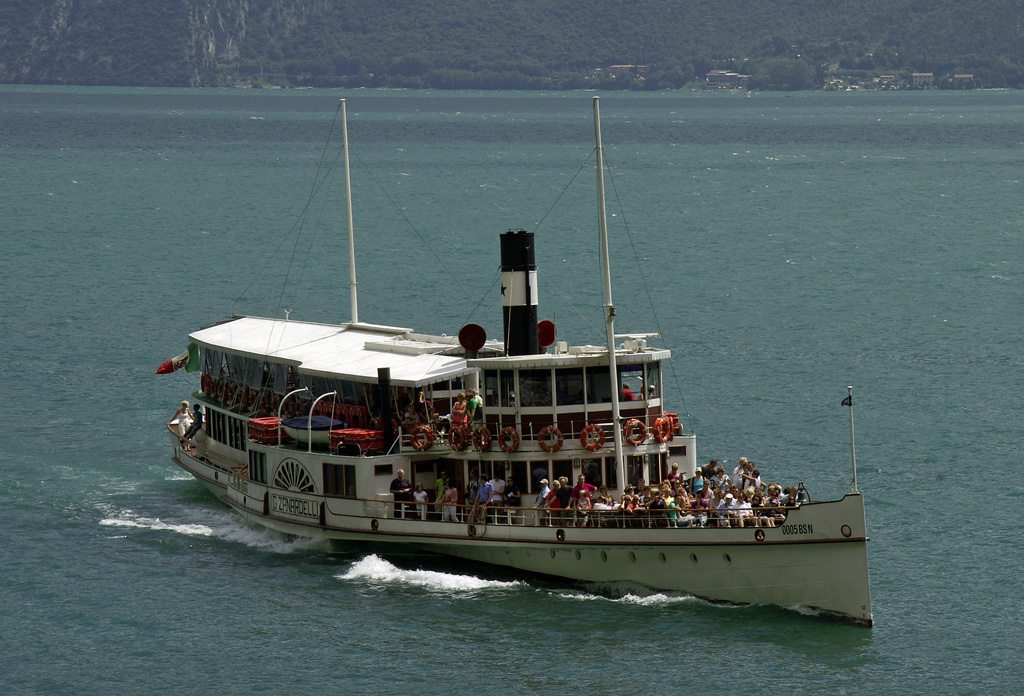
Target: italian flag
[(189, 360)]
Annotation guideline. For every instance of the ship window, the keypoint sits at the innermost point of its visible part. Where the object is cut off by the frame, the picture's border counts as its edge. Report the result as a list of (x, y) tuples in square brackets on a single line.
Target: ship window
[(653, 380), (508, 388), (592, 471), (563, 467), (521, 475), (535, 388), (598, 387), (569, 386), (491, 387), (257, 466), (340, 480), (634, 469), (611, 474), (631, 382)]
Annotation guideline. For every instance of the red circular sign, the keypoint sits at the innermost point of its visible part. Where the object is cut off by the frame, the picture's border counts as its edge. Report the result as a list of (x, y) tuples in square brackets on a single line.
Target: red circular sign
[(472, 337), (545, 333)]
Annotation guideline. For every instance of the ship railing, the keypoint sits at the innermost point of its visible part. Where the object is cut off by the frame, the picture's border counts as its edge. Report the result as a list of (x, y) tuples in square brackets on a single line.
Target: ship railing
[(640, 518)]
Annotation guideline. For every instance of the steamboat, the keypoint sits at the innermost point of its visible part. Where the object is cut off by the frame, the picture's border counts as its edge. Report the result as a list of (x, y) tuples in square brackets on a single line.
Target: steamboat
[(304, 433)]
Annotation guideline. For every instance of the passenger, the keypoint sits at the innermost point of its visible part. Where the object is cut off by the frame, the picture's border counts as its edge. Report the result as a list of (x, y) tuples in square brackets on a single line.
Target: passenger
[(583, 505), (459, 416), (722, 510), (402, 492), (540, 477), (656, 510), (197, 422), (719, 480), (747, 477), (543, 494), (478, 513), (564, 494), (672, 508), (737, 473), (697, 483), (421, 497), (582, 487), (474, 409), (513, 499), (554, 503), (497, 499), (674, 475), (472, 486), (626, 394), (181, 421), (449, 502), (742, 513), (757, 505)]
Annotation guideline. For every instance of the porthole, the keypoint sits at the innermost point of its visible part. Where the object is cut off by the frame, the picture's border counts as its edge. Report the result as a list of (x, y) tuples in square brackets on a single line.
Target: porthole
[(661, 557), (727, 557), (632, 556), (693, 558), (552, 553), (604, 556), (847, 532), (579, 556)]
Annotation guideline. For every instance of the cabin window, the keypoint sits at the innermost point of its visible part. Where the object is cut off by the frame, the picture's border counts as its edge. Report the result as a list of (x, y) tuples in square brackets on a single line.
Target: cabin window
[(534, 388), (383, 470), (611, 473), (340, 480), (508, 388), (491, 387), (258, 466), (631, 382), (598, 386), (569, 386), (592, 471), (562, 467), (521, 474), (634, 469), (654, 380)]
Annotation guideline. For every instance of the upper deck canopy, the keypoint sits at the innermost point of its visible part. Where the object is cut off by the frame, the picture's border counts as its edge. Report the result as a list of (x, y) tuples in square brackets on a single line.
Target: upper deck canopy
[(347, 351)]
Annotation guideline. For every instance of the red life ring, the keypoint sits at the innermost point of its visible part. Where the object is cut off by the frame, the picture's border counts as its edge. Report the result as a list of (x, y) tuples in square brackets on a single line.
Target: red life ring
[(592, 437), (421, 437), (662, 429), (244, 401), (634, 432), (458, 438), (546, 433), (508, 438), (482, 439), (202, 383)]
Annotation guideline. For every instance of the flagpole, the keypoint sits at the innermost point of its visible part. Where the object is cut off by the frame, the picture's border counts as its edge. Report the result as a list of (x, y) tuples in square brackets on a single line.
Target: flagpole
[(853, 445)]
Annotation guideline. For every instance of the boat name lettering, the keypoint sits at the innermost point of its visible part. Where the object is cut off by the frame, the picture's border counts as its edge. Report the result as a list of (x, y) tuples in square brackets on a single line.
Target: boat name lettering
[(296, 506), (797, 529)]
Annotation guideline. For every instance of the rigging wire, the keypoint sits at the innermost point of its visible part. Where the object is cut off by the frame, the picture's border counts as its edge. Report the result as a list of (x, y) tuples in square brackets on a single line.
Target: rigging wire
[(647, 291)]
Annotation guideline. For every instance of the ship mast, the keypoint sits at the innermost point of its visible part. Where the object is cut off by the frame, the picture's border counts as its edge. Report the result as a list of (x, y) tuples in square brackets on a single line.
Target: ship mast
[(351, 228), (606, 272)]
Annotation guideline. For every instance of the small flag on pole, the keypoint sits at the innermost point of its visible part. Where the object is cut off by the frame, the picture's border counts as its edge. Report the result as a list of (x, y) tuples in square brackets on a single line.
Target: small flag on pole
[(189, 360), (848, 401)]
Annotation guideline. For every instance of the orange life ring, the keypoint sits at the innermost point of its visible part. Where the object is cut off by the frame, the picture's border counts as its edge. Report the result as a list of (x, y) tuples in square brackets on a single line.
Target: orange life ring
[(482, 439), (662, 429), (458, 438), (421, 437), (592, 437), (546, 433), (276, 403), (508, 438), (634, 432)]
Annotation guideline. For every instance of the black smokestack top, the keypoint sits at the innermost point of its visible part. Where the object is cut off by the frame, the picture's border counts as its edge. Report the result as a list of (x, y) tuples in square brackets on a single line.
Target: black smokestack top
[(519, 293)]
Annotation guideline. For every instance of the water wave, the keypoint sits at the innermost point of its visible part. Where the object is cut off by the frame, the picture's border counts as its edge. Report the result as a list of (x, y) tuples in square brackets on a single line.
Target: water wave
[(375, 569)]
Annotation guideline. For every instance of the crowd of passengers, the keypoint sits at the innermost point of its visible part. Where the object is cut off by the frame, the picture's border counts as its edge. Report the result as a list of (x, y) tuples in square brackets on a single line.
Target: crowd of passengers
[(709, 498)]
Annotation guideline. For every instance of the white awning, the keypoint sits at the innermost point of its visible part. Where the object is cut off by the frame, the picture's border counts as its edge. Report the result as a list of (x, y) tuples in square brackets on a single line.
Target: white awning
[(342, 351)]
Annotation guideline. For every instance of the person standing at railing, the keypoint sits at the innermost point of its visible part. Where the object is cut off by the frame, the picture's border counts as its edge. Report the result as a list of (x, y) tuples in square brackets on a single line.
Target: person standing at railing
[(449, 502), (402, 492)]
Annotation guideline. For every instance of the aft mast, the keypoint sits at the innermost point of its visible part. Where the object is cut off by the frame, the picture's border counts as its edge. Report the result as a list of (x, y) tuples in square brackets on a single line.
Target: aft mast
[(351, 227), (613, 371)]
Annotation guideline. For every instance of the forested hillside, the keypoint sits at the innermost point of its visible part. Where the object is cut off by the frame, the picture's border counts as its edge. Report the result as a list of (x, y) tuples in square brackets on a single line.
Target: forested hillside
[(550, 44)]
